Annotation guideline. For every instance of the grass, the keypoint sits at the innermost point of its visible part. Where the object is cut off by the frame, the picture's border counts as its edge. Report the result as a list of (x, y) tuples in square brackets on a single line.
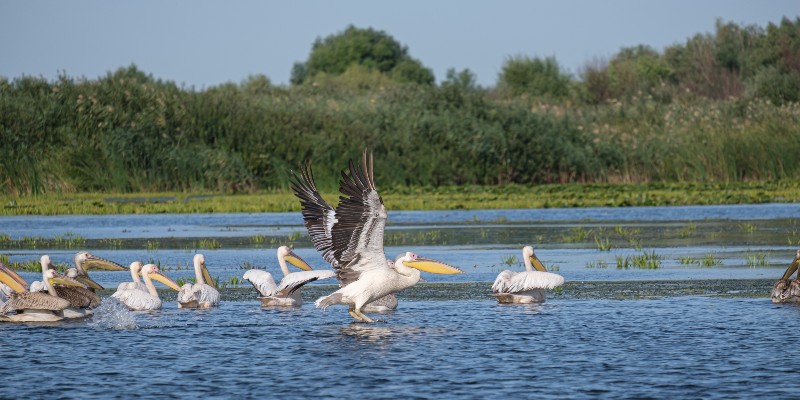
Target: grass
[(646, 260), (600, 264), (414, 198), (709, 260), (509, 260), (758, 259)]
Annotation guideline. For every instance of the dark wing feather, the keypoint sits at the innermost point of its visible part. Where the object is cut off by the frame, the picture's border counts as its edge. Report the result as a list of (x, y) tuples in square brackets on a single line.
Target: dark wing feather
[(318, 216), (358, 235)]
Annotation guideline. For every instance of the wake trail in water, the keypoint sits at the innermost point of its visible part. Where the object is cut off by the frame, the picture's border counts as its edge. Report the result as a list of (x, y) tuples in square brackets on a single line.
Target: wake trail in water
[(112, 314)]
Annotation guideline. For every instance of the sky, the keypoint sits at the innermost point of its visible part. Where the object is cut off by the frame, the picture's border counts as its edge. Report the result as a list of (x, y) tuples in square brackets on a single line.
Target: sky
[(203, 43)]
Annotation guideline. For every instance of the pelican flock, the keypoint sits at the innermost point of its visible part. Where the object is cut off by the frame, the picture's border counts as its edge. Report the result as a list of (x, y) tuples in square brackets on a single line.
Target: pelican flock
[(288, 292), (527, 286), (25, 306)]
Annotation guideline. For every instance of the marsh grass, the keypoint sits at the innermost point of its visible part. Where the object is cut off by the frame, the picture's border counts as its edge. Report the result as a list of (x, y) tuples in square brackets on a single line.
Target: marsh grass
[(64, 241), (756, 259), (510, 260), (709, 260), (600, 264), (747, 228), (646, 260), (208, 244)]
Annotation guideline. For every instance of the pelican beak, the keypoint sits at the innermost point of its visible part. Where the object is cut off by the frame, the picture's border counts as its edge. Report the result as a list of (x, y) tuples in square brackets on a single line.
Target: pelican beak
[(14, 281), (537, 265), (298, 262), (65, 281), (207, 276), (158, 276), (95, 262), (88, 282), (432, 266)]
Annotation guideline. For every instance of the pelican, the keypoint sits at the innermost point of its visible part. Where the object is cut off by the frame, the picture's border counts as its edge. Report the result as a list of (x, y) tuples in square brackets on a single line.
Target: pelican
[(199, 295), (288, 292), (136, 283), (25, 306), (356, 242), (527, 286), (785, 292), (139, 300), (318, 218), (82, 297)]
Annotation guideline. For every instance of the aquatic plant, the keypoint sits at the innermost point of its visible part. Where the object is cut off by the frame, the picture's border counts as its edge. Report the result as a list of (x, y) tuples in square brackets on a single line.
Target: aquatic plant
[(757, 259), (577, 234), (510, 260), (258, 239), (688, 230), (747, 227), (646, 260), (597, 264), (211, 244), (151, 245), (603, 244), (709, 260)]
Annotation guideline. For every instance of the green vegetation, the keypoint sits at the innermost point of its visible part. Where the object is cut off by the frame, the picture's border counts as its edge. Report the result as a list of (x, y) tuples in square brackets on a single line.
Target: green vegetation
[(721, 109), (645, 260), (756, 259), (709, 260)]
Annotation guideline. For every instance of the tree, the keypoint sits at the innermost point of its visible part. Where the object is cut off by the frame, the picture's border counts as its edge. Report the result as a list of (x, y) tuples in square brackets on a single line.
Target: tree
[(533, 76), (375, 50)]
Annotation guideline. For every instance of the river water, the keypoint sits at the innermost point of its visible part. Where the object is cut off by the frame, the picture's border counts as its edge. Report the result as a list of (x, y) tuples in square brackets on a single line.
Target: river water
[(682, 330)]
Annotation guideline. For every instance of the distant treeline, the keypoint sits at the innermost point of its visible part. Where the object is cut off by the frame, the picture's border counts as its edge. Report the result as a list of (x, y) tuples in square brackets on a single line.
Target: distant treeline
[(721, 107)]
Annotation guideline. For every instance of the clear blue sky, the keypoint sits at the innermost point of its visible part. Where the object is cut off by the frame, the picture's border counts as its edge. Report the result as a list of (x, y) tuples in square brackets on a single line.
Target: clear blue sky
[(203, 43)]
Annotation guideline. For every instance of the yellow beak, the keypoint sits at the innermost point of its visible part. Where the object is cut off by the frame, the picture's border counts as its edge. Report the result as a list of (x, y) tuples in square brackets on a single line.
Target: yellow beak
[(298, 262), (207, 276), (88, 282), (95, 262), (158, 276), (432, 266), (537, 265), (64, 281), (14, 281)]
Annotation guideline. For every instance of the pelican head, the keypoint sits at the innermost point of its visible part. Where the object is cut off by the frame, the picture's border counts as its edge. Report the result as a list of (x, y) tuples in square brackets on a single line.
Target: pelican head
[(85, 260), (152, 271), (200, 267), (413, 260), (530, 257), (10, 278), (287, 254), (135, 267)]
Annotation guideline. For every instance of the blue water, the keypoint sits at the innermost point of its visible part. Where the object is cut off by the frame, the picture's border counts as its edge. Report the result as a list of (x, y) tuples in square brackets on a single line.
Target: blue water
[(688, 347)]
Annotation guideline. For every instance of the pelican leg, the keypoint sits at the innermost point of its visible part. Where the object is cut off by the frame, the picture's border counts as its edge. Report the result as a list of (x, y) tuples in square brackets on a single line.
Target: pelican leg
[(363, 317), (354, 315)]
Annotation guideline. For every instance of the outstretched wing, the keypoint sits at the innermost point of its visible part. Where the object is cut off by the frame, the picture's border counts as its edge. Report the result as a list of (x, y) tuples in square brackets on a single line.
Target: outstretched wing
[(358, 234), (510, 282), (296, 280), (318, 216), (262, 281)]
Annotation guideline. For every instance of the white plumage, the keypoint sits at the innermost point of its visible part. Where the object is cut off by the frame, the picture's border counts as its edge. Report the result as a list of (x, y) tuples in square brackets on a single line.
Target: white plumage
[(287, 293), (527, 286), (139, 300), (201, 294), (135, 283)]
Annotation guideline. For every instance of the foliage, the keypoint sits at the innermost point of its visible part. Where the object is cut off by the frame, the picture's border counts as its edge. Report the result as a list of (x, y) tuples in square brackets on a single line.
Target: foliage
[(535, 77)]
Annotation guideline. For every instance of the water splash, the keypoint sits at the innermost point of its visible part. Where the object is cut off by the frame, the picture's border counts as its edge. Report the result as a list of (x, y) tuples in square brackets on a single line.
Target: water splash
[(112, 314)]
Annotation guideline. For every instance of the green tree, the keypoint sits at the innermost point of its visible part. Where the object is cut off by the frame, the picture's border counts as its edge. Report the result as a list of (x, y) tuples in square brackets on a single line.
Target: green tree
[(375, 50), (533, 76)]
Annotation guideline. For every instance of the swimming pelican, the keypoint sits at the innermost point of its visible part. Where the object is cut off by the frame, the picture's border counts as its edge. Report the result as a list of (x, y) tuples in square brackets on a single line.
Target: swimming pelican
[(318, 218), (527, 286), (785, 292), (139, 300), (357, 245), (82, 297), (199, 295), (25, 306), (135, 283), (288, 292)]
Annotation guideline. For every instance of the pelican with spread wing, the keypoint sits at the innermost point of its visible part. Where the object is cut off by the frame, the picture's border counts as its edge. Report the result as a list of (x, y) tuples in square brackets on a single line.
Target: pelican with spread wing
[(202, 294), (288, 292), (527, 286), (356, 240), (318, 218)]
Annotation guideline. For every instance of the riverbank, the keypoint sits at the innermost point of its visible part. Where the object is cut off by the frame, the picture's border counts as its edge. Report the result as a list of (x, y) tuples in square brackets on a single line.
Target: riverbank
[(415, 198)]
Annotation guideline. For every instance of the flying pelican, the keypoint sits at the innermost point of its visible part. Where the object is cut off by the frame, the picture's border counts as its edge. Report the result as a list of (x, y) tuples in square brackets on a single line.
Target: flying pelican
[(25, 306), (318, 218), (139, 300), (288, 292), (357, 245), (527, 286), (785, 292), (199, 295), (135, 283)]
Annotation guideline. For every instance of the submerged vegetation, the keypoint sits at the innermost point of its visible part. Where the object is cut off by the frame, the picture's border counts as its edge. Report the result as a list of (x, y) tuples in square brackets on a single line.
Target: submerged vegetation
[(718, 112)]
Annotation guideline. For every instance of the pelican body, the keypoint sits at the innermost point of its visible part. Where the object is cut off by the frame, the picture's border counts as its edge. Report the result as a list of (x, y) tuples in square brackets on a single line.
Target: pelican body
[(784, 290), (351, 239), (25, 306), (142, 300), (288, 293), (527, 286), (135, 283), (201, 294)]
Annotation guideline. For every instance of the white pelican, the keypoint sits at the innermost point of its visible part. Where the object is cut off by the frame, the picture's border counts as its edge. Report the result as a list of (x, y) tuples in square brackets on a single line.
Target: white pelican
[(527, 286), (139, 300), (785, 292), (25, 306), (199, 295), (135, 283), (318, 218), (82, 297), (357, 244), (288, 292)]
